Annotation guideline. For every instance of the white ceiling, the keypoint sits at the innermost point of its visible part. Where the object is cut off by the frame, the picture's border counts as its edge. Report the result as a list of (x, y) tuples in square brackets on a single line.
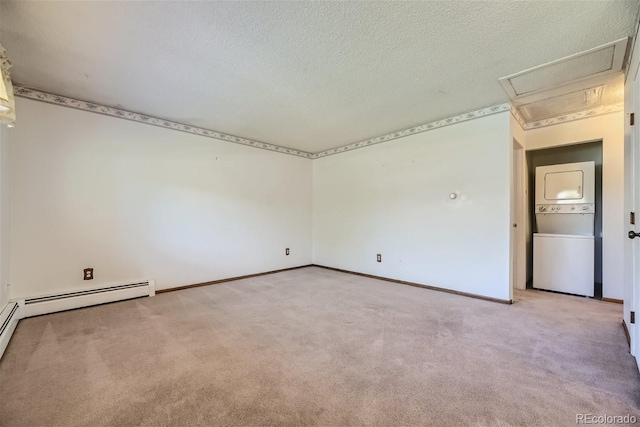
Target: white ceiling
[(309, 76)]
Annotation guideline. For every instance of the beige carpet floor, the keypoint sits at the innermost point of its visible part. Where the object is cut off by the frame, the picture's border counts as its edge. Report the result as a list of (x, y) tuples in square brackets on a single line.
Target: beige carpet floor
[(319, 347)]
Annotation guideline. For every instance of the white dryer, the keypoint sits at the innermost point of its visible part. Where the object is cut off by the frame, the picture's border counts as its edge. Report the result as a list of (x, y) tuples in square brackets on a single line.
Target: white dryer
[(563, 247)]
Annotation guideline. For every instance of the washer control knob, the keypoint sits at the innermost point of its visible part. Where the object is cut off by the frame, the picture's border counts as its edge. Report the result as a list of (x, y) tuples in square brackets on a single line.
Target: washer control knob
[(584, 208), (543, 208)]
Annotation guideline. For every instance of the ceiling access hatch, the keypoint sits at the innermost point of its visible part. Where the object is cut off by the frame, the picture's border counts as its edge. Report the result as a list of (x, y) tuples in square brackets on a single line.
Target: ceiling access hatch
[(602, 60), (563, 104)]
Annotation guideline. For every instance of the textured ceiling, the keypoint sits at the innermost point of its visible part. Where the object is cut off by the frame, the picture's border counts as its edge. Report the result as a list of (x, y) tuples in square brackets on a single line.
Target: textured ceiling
[(309, 76)]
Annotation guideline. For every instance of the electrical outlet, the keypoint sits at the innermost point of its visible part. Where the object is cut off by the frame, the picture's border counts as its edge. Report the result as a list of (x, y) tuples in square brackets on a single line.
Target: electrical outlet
[(379, 258), (286, 251), (88, 274)]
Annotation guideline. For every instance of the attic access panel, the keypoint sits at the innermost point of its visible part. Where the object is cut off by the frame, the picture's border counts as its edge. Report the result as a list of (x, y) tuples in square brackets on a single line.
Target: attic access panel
[(599, 61), (563, 104)]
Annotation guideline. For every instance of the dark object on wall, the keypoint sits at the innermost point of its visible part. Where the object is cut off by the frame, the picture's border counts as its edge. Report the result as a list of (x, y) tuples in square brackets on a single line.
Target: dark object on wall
[(88, 274)]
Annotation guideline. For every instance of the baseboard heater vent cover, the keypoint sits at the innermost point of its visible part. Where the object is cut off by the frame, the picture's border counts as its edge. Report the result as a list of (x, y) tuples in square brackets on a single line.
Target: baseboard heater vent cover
[(69, 300), (9, 317)]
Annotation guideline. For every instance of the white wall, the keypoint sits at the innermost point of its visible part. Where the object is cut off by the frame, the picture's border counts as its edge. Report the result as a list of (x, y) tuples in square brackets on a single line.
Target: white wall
[(136, 201), (517, 132), (4, 216), (609, 129), (393, 199)]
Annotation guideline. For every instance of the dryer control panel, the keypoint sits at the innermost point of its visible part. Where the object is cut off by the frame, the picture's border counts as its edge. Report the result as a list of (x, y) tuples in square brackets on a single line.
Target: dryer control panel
[(580, 208)]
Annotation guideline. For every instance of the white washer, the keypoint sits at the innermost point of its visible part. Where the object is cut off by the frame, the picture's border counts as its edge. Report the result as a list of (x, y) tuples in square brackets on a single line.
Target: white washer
[(563, 263)]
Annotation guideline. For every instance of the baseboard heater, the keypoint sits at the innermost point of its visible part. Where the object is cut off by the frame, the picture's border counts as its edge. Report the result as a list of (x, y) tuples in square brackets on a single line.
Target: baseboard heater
[(9, 317), (69, 300)]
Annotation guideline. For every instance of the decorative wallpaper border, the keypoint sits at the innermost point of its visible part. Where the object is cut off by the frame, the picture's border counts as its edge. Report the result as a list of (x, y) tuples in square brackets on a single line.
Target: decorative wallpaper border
[(39, 95), (597, 111), (418, 129), (51, 98)]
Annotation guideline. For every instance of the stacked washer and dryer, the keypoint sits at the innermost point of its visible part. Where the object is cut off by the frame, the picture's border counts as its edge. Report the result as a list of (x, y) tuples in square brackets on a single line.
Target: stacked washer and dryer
[(563, 247)]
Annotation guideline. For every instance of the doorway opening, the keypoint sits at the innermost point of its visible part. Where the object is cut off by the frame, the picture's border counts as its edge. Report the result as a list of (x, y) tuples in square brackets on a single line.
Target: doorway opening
[(583, 152), (518, 218)]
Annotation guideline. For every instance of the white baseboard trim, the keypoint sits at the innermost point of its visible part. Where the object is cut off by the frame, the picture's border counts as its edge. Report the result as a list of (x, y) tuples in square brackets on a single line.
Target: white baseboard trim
[(46, 304), (9, 317)]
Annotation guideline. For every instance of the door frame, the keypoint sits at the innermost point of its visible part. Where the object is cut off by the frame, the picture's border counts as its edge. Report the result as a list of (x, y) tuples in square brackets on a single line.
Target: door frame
[(518, 209), (632, 199)]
